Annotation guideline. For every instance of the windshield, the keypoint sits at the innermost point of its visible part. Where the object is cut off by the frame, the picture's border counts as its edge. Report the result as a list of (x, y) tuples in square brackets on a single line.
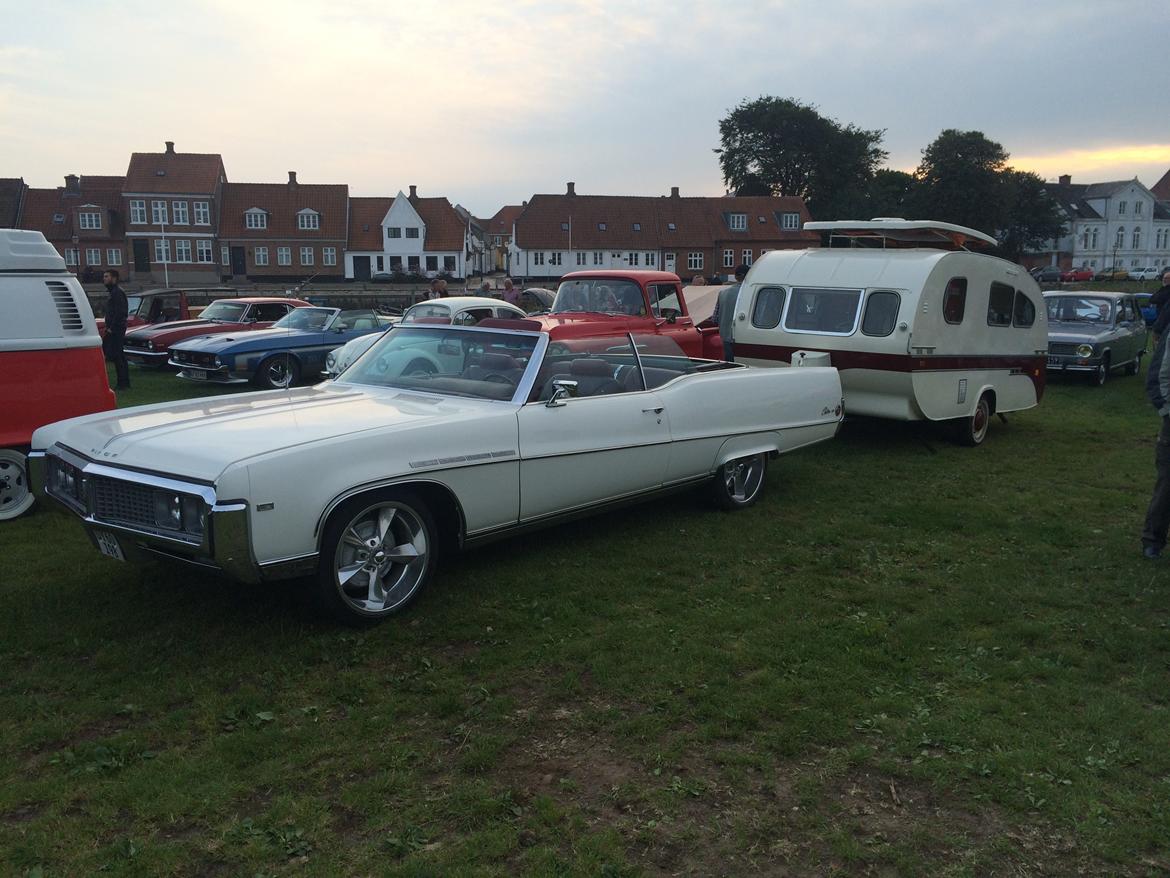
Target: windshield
[(426, 309), (305, 318), (224, 312), (602, 295), (438, 359), (133, 303), (1081, 309)]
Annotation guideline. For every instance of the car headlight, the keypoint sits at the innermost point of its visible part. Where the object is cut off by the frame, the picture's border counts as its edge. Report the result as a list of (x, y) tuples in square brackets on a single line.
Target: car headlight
[(331, 361), (150, 346), (1085, 350), (182, 512)]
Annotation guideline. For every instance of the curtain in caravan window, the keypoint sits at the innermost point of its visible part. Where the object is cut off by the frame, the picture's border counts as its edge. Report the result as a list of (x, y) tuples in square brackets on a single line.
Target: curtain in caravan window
[(999, 305)]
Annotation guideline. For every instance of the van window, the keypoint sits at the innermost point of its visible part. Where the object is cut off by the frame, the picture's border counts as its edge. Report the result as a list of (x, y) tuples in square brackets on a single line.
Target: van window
[(823, 310), (999, 305), (1024, 313), (881, 312), (768, 308), (955, 300)]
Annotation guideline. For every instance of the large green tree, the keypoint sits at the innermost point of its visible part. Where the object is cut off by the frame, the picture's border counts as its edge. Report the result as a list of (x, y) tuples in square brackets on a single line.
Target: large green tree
[(1032, 217), (784, 147), (961, 180)]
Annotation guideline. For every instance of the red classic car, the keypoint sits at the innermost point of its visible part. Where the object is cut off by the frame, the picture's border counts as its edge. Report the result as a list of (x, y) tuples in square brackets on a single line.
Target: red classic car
[(1077, 274), (150, 345)]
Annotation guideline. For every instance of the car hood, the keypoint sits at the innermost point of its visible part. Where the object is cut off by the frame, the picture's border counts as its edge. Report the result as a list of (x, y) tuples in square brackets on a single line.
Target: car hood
[(200, 438), (154, 330), (215, 343), (578, 318), (1061, 331)]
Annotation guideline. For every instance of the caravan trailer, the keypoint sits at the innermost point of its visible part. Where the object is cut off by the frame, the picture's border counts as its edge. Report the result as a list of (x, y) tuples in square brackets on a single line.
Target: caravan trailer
[(920, 325)]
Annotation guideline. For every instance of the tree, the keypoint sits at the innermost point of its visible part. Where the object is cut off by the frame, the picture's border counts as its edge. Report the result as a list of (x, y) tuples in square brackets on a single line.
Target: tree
[(1032, 216), (961, 180), (889, 193), (785, 147)]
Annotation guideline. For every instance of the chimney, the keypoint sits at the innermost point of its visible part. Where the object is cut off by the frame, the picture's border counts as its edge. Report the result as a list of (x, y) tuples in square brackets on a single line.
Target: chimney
[(674, 192), (413, 191), (170, 147), (292, 178), (572, 189), (1065, 179), (72, 184)]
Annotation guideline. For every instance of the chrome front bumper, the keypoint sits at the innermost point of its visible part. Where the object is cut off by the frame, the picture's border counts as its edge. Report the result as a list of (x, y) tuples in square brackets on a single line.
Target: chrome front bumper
[(210, 374), (1066, 363)]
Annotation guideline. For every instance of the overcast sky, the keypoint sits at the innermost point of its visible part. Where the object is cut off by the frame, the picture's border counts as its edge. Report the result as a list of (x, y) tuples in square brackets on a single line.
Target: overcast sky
[(490, 101)]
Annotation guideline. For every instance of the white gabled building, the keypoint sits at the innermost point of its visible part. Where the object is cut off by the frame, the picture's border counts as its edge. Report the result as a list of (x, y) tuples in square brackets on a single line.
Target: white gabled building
[(405, 235)]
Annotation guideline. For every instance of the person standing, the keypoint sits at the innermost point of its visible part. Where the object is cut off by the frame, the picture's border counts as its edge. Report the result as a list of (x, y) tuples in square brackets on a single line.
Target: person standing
[(1160, 297), (116, 315), (1158, 513), (511, 295), (724, 314)]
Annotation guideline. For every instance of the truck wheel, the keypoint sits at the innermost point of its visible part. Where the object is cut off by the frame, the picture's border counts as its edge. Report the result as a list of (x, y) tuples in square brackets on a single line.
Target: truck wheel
[(15, 496), (973, 430), (281, 370), (1101, 373), (378, 553), (738, 483)]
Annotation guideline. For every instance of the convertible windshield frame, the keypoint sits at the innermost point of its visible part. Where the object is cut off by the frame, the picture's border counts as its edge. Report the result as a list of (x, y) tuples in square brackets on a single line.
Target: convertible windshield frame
[(239, 309), (298, 314)]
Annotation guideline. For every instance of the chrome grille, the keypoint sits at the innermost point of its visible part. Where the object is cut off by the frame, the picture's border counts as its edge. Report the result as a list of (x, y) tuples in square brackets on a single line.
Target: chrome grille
[(67, 311), (1062, 347), (205, 361), (123, 502)]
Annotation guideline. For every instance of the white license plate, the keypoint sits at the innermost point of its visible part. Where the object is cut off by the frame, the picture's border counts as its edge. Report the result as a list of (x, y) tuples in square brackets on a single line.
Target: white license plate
[(1053, 361), (197, 373), (107, 544)]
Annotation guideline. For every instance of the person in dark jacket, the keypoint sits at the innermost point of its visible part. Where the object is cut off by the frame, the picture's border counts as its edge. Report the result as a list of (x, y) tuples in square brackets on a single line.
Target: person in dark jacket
[(116, 316), (1162, 296), (724, 316), (1158, 514)]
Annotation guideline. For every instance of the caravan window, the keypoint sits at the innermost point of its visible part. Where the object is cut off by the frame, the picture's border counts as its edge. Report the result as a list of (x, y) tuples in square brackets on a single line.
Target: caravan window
[(1024, 314), (999, 305), (881, 312), (955, 300), (768, 308), (829, 311)]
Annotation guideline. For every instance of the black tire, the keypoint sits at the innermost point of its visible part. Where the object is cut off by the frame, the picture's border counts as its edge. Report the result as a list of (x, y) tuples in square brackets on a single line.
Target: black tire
[(1134, 367), (739, 483), (972, 431), (278, 371), (358, 580), (1099, 376)]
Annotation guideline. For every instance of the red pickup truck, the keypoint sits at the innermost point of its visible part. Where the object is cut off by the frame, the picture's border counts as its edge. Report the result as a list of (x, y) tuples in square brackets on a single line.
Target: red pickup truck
[(598, 303), (163, 306)]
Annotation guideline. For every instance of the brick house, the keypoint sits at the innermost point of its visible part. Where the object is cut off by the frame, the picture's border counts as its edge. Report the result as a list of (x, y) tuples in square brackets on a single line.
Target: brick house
[(284, 231), (171, 204), (406, 234), (83, 220), (557, 234)]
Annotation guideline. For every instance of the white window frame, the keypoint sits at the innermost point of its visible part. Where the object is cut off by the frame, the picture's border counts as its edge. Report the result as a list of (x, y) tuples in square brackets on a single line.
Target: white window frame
[(255, 219), (411, 232), (737, 222), (308, 221), (260, 257), (581, 254), (183, 250), (1119, 241), (93, 255), (695, 260), (113, 256), (729, 258), (538, 257), (138, 211), (203, 252), (71, 256), (1137, 208), (633, 258), (651, 259), (790, 221), (284, 255), (179, 209), (89, 219), (202, 213), (554, 258), (328, 255), (225, 254), (162, 251), (598, 258), (1137, 237), (308, 257), (747, 256), (158, 213)]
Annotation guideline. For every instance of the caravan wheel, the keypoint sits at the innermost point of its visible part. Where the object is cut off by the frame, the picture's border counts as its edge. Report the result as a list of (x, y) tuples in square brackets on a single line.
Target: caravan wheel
[(973, 430)]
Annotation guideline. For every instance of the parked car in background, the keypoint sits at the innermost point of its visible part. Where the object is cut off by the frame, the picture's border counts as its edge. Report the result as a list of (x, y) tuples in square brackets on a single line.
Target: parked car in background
[(151, 345), (458, 310), (1094, 333), (293, 347), (363, 482), (1150, 272), (536, 299), (1112, 272), (1077, 275), (51, 362), (1049, 274), (164, 306)]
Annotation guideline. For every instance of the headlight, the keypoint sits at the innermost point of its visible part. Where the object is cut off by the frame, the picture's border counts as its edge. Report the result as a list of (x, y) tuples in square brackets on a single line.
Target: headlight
[(150, 346), (331, 361), (218, 362), (182, 512), (1085, 350)]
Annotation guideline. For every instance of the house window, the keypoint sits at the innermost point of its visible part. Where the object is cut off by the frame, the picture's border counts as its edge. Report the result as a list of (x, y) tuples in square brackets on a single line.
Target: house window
[(564, 227), (225, 255), (137, 211), (790, 221), (581, 257), (449, 264), (308, 220), (432, 263), (763, 220), (162, 250), (412, 261), (202, 213), (554, 258), (671, 227), (113, 256), (307, 257), (598, 258), (999, 305), (395, 264), (637, 227), (328, 255), (158, 212), (729, 259), (1121, 208), (1137, 208), (498, 241), (203, 251), (71, 256), (411, 232), (260, 256), (1119, 241), (1137, 237), (747, 257), (393, 231), (651, 259), (284, 255), (538, 257), (1093, 245), (93, 255), (633, 257), (90, 219), (179, 208), (1084, 239), (737, 222), (601, 227), (182, 250), (255, 219), (695, 260)]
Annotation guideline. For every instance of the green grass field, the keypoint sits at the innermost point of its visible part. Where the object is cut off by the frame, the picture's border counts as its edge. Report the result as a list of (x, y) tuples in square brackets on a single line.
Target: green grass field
[(909, 658)]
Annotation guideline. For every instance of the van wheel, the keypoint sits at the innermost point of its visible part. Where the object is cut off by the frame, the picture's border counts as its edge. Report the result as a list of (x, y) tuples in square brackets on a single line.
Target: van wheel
[(378, 553), (15, 496), (1101, 373), (738, 483), (1134, 367), (279, 371), (973, 430)]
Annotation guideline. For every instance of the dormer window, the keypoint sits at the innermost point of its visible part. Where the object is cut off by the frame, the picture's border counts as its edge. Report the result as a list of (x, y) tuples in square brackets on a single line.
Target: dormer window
[(256, 218), (58, 218), (637, 227), (601, 227), (790, 221), (89, 219), (308, 220), (762, 219), (564, 228), (671, 227), (737, 222)]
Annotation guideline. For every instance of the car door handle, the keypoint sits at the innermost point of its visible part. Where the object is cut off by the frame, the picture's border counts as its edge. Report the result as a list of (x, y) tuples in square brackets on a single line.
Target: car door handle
[(656, 410)]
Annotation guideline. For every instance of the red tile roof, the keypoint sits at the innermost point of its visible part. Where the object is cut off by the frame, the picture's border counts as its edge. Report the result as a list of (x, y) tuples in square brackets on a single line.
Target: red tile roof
[(42, 205), (179, 173), (284, 201), (445, 229), (501, 223), (365, 222)]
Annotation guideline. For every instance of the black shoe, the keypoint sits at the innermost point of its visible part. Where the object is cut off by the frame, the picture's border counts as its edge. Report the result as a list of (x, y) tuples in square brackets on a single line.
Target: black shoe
[(1151, 553), (122, 387)]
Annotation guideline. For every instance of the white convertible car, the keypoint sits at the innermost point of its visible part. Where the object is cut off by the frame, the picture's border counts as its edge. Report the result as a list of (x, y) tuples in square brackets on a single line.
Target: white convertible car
[(363, 481)]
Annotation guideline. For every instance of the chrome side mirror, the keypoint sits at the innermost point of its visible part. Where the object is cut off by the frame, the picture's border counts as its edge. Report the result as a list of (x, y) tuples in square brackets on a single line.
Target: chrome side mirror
[(563, 388)]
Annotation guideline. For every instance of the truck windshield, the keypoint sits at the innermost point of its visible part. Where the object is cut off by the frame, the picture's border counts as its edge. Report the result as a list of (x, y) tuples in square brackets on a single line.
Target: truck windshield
[(224, 312), (600, 295)]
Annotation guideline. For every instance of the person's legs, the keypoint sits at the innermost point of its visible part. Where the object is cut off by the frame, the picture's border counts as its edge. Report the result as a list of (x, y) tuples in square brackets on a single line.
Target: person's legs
[(115, 353), (1158, 514)]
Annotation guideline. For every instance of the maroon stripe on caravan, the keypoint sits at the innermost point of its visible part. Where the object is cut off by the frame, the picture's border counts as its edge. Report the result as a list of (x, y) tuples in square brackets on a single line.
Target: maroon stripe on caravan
[(1033, 365)]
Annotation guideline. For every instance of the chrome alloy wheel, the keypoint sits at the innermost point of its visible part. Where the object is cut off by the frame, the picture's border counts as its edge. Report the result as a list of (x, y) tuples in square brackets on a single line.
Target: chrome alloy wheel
[(381, 558), (15, 496), (743, 477)]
